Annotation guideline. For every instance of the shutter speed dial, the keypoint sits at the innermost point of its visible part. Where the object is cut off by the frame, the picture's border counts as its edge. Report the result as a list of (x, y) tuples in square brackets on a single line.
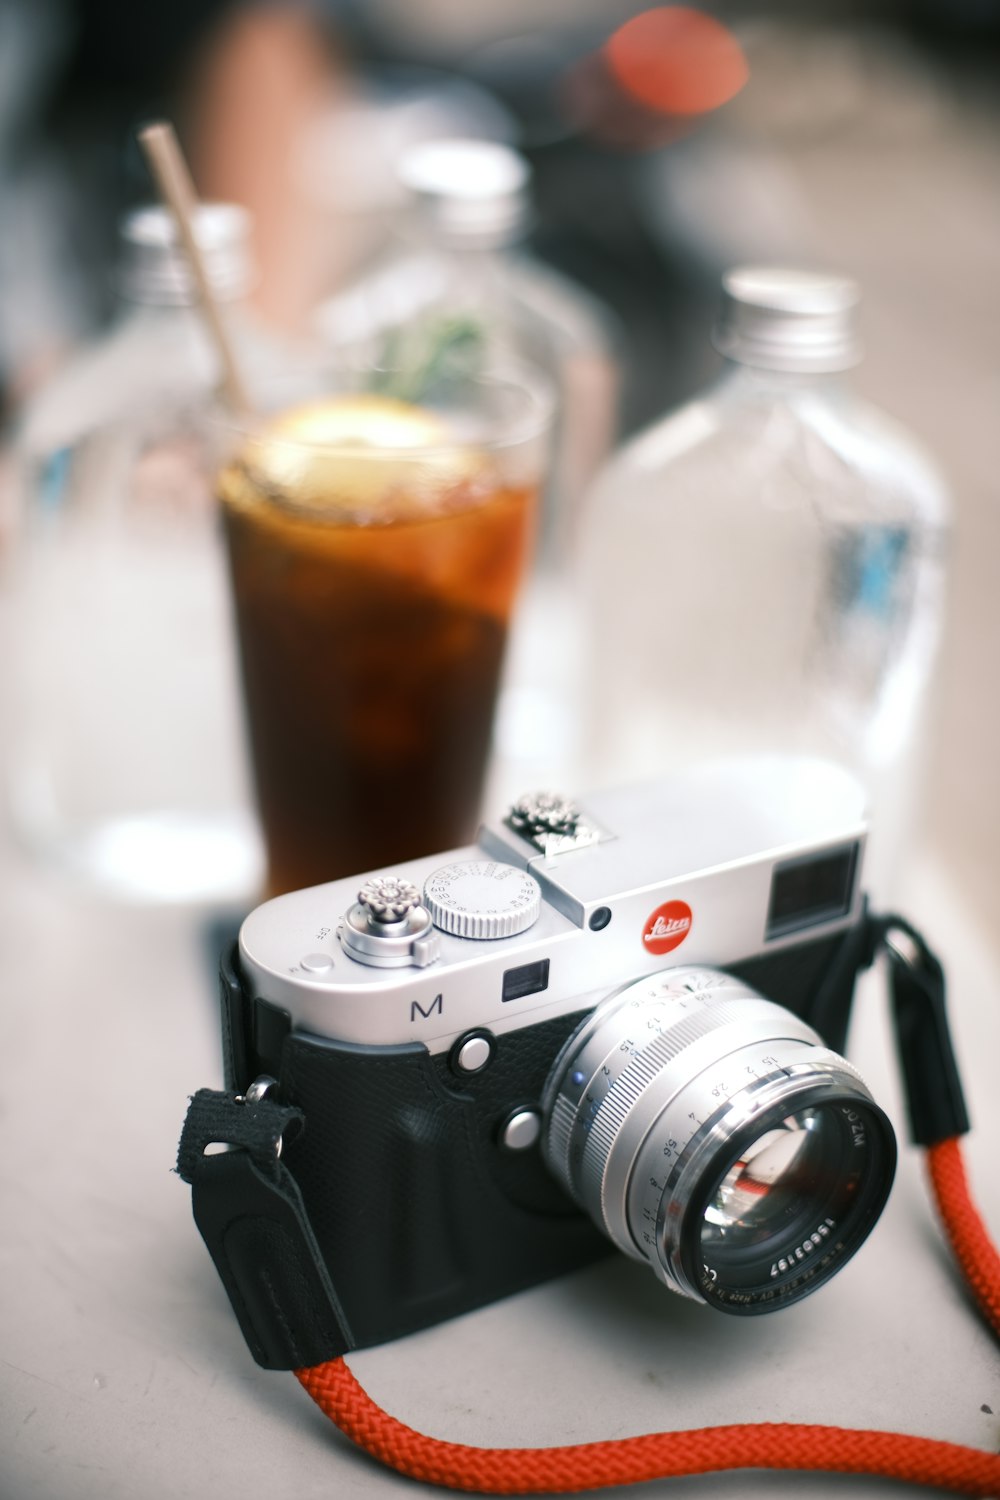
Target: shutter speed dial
[(479, 898)]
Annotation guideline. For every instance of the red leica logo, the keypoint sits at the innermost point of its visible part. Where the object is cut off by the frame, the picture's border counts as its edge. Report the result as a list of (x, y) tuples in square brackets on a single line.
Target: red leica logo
[(667, 927)]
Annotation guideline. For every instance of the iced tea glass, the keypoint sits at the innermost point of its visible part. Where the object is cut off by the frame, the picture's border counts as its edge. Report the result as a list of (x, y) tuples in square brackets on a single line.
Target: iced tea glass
[(376, 548)]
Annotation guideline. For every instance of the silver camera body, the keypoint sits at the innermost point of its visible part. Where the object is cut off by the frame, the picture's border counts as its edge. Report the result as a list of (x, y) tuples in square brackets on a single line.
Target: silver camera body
[(756, 855), (604, 1024)]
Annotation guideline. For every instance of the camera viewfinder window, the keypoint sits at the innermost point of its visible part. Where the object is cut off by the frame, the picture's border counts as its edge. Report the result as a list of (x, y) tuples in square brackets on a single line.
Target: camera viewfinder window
[(807, 891), (527, 980)]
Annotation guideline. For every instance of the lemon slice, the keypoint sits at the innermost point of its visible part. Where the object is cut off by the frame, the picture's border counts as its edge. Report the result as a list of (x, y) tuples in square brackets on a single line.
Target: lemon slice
[(359, 454), (367, 421)]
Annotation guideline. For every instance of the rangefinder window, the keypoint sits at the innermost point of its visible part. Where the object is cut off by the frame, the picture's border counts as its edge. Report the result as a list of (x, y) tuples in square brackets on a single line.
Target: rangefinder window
[(807, 891)]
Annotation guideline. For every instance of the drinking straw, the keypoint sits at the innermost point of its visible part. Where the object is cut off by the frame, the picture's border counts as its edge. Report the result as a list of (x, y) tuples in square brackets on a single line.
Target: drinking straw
[(166, 162)]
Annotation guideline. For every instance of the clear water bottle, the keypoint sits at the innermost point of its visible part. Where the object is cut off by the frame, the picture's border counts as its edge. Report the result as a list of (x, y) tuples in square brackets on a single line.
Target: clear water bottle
[(126, 762), (763, 569)]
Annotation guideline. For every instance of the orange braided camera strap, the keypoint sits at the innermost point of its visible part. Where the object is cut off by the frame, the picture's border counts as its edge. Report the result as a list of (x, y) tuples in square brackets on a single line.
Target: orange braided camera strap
[(705, 1450)]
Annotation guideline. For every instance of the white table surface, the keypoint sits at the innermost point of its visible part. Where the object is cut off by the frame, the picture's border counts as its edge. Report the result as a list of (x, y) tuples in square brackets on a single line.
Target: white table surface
[(123, 1373)]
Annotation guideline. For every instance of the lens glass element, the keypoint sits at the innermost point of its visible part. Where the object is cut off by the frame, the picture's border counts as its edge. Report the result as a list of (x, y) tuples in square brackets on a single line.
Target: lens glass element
[(788, 1203), (771, 1175)]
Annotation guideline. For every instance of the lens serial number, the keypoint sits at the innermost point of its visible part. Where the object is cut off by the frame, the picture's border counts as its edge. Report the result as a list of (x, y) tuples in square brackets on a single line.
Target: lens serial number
[(801, 1252)]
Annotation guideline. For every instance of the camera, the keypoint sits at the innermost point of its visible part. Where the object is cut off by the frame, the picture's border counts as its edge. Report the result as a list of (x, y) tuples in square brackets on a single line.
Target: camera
[(611, 1025)]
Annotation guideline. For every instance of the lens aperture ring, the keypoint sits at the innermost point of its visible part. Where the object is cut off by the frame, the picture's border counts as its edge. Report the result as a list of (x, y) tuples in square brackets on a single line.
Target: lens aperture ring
[(584, 1074), (642, 1072), (588, 1119), (617, 1082)]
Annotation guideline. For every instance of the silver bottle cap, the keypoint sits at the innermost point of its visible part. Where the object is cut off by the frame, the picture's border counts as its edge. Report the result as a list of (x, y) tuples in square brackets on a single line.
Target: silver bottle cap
[(467, 191), (154, 269), (788, 320)]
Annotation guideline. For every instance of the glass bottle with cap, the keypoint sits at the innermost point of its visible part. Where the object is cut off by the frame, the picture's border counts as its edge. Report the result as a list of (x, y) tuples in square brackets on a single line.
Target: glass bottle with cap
[(126, 763), (763, 569), (458, 292)]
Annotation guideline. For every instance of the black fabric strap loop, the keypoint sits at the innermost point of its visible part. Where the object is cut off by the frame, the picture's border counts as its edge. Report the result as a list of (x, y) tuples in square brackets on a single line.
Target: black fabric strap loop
[(252, 1218), (223, 1119), (934, 1100)]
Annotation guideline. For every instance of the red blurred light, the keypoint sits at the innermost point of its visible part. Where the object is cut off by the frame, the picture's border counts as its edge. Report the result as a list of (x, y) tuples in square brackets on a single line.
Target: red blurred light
[(676, 60)]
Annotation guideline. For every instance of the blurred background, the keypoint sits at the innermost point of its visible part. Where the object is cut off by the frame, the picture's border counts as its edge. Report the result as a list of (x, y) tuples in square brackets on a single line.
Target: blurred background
[(861, 137), (858, 136)]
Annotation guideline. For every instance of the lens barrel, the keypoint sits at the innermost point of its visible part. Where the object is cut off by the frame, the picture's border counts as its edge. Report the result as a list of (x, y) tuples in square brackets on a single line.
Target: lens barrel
[(711, 1133)]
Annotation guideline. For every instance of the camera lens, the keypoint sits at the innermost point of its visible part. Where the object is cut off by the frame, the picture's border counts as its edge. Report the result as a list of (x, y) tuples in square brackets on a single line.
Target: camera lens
[(711, 1133)]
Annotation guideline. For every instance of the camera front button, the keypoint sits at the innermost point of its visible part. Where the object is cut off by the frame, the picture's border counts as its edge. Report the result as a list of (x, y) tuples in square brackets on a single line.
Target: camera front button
[(472, 1053), (521, 1130)]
